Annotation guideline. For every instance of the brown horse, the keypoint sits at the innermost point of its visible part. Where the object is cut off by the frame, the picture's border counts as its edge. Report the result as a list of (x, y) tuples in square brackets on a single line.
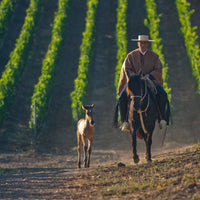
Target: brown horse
[(85, 135), (142, 114)]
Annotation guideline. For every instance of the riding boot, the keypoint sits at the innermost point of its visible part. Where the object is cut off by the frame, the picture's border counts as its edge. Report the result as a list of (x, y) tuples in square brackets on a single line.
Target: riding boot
[(123, 106), (163, 106)]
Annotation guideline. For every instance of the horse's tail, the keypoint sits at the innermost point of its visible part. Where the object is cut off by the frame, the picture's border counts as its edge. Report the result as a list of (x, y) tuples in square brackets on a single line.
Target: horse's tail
[(168, 112), (115, 118)]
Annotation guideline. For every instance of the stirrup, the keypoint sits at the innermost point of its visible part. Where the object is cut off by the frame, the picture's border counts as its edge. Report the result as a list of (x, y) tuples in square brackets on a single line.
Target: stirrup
[(125, 127), (163, 124)]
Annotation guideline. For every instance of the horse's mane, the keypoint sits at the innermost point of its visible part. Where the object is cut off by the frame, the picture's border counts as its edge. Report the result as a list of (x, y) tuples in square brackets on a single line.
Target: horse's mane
[(134, 83)]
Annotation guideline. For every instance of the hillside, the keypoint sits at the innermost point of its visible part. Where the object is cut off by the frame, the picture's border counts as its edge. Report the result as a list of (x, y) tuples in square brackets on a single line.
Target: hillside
[(185, 102), (57, 133), (49, 171), (15, 132)]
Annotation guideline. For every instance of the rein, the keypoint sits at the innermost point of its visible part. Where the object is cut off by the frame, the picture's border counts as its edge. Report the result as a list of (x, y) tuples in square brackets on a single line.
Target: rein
[(142, 111)]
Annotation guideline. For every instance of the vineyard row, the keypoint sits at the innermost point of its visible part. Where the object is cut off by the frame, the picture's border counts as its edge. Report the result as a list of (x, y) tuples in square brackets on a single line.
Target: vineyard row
[(6, 11), (190, 37), (42, 90), (18, 56)]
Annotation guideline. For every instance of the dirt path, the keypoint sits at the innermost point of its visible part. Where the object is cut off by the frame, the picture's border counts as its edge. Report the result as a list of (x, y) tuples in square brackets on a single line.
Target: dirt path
[(15, 129), (184, 101), (13, 31), (101, 88), (46, 176), (58, 134), (136, 14)]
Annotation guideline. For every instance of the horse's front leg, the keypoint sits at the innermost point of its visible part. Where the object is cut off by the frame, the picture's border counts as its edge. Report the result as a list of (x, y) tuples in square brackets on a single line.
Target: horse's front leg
[(148, 141), (134, 146), (89, 152)]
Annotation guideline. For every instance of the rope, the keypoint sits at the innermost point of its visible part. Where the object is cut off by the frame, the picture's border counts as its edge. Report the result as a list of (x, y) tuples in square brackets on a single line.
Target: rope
[(152, 85), (141, 117), (142, 121), (141, 111)]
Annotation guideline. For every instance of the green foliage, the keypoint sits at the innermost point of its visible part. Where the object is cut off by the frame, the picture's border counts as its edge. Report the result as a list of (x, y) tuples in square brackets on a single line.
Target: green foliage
[(6, 11), (121, 38), (79, 95), (190, 36), (152, 22), (18, 56), (42, 90)]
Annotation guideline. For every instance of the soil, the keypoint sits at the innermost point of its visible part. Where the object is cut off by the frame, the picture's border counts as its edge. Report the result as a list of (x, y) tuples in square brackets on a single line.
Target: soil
[(174, 174), (50, 171)]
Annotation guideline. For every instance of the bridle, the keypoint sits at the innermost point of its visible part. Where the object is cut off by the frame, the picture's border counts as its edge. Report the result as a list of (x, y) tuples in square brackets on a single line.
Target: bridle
[(141, 111)]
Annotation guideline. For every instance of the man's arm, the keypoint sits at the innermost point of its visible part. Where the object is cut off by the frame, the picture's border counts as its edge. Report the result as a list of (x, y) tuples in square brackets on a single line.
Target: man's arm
[(129, 67), (157, 72)]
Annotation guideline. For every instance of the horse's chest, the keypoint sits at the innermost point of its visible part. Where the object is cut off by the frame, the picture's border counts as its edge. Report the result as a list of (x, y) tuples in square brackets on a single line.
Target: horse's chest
[(137, 119), (85, 129)]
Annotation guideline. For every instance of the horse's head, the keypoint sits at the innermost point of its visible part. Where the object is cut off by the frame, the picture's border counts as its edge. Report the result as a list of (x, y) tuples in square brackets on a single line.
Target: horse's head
[(136, 90), (89, 113)]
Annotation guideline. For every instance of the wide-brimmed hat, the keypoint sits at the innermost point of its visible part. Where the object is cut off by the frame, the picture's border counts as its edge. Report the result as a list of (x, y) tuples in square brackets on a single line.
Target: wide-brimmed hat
[(142, 38)]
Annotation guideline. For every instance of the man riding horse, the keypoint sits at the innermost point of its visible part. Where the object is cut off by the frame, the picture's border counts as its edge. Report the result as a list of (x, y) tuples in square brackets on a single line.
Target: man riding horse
[(146, 63)]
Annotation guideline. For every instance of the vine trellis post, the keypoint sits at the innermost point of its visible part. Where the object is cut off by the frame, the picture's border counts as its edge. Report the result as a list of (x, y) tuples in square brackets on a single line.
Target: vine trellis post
[(35, 125)]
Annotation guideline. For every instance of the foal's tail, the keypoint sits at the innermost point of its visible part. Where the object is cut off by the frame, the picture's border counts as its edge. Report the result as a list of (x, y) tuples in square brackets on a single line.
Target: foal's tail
[(115, 118)]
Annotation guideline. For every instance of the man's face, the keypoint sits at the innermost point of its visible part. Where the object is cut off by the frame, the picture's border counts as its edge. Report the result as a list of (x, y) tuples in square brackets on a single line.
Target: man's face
[(143, 46)]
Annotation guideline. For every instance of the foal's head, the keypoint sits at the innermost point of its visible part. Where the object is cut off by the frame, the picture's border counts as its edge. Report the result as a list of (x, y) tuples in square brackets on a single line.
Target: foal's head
[(136, 89), (89, 113)]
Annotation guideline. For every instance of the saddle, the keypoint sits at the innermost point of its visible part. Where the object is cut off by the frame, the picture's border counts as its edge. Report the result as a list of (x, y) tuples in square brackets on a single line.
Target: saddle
[(154, 91)]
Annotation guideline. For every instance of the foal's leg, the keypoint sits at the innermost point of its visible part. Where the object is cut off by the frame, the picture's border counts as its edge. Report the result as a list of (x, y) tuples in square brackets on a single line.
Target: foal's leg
[(79, 149), (89, 151), (148, 141), (134, 146), (85, 150)]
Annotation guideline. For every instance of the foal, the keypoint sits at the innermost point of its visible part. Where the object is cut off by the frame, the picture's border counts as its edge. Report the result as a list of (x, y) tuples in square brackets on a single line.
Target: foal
[(85, 135)]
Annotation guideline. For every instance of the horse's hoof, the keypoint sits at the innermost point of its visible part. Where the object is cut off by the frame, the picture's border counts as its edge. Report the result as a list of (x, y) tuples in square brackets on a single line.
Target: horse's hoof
[(136, 160), (149, 160)]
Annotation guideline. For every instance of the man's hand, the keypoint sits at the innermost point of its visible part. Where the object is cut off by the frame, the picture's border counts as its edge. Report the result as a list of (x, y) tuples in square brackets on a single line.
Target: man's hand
[(145, 77)]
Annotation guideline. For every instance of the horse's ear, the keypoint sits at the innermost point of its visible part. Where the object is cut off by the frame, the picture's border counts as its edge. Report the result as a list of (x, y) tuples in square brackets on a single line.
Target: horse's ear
[(83, 107)]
